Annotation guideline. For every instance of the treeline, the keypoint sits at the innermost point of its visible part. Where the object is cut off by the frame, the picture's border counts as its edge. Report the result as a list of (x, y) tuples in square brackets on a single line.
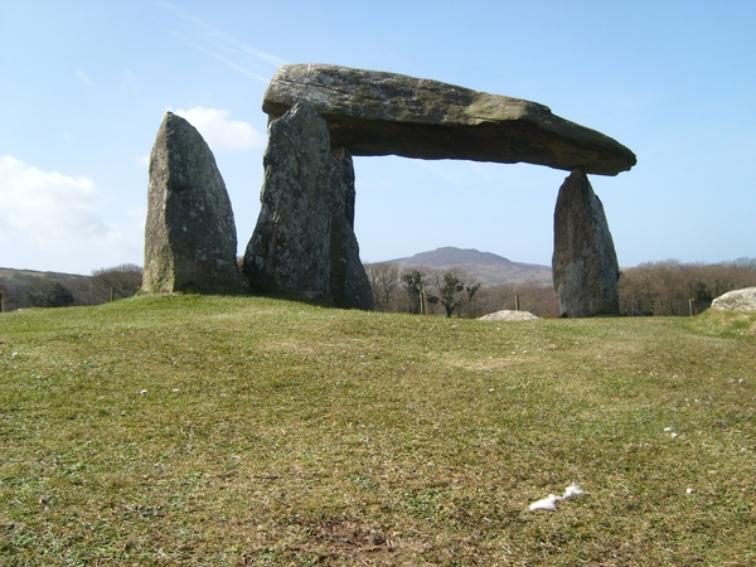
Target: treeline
[(27, 288), (660, 288), (672, 288), (452, 293)]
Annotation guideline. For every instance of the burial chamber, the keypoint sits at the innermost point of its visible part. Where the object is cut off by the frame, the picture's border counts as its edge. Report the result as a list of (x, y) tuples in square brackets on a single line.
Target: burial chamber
[(321, 115)]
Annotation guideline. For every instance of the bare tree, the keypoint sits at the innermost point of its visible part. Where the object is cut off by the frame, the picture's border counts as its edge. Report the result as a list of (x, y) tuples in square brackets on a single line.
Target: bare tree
[(384, 279), (668, 288), (414, 282), (119, 281)]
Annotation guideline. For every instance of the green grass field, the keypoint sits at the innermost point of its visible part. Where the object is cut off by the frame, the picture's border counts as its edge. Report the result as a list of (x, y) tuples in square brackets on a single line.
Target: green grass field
[(237, 431)]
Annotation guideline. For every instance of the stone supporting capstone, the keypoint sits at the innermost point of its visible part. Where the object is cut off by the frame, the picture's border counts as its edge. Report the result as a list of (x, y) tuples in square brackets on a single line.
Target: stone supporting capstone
[(584, 263), (190, 236), (304, 242)]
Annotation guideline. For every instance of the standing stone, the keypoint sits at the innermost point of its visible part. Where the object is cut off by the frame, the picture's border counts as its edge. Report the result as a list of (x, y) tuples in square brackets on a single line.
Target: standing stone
[(190, 236), (585, 266), (304, 241)]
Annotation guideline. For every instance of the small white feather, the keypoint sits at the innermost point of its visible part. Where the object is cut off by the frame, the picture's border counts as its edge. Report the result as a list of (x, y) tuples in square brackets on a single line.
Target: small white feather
[(573, 491), (549, 503)]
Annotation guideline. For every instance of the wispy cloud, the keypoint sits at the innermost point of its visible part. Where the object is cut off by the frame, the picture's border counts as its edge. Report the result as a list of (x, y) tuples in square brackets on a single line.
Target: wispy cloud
[(446, 171), (457, 172), (228, 50), (223, 59), (220, 131), (482, 171), (84, 78)]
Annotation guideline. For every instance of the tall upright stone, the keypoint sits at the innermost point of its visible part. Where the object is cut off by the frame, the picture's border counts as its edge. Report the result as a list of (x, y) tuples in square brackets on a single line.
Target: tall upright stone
[(585, 266), (304, 240), (190, 236)]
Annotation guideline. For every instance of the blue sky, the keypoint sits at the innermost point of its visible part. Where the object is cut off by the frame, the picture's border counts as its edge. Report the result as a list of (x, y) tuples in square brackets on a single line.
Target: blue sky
[(85, 85)]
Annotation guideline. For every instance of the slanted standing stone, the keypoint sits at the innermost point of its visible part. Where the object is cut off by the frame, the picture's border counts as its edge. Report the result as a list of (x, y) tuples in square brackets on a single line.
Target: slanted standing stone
[(190, 236), (304, 241), (585, 266)]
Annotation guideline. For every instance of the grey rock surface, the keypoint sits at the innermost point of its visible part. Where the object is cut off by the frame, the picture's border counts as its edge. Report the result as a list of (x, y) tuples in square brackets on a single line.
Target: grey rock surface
[(190, 236), (584, 263), (736, 300), (304, 240), (379, 113), (509, 315)]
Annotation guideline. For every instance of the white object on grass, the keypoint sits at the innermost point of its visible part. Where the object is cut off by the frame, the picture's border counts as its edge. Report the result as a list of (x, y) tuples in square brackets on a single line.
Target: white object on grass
[(667, 429), (549, 503), (552, 500), (573, 491)]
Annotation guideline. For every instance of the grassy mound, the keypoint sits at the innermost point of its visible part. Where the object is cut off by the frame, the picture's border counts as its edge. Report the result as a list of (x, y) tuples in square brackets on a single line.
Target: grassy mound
[(211, 431)]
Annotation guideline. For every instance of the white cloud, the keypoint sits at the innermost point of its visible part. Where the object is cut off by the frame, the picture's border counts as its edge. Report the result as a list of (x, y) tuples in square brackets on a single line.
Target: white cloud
[(84, 79), (51, 221), (45, 204), (219, 131)]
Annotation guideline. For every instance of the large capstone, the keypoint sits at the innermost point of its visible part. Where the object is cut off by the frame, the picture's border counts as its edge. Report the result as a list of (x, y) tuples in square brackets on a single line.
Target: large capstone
[(377, 113), (585, 266), (304, 242), (190, 236)]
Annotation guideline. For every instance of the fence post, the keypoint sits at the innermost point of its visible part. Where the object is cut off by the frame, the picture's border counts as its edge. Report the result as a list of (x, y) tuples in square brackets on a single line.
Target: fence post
[(112, 294), (517, 303), (690, 306), (2, 301)]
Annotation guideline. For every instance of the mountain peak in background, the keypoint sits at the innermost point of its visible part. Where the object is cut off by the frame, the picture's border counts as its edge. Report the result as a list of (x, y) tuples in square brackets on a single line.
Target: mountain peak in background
[(452, 256), (486, 267)]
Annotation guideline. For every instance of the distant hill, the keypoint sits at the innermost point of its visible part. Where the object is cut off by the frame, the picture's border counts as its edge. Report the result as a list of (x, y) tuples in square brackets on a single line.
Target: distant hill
[(32, 288), (486, 267)]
